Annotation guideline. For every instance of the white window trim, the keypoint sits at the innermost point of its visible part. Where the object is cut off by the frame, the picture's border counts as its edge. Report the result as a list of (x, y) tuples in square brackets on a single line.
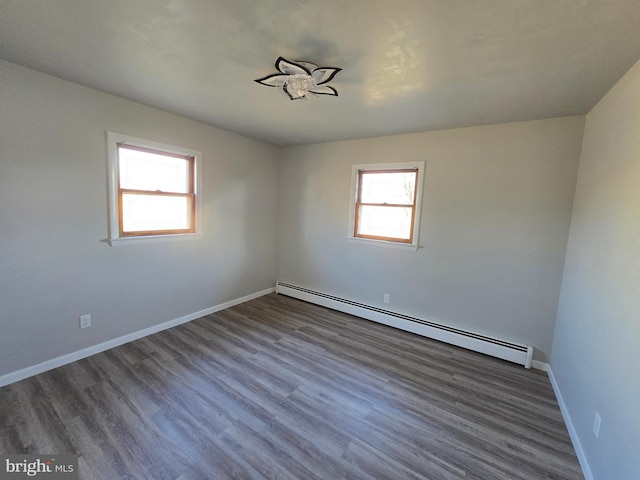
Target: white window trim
[(113, 139), (420, 166)]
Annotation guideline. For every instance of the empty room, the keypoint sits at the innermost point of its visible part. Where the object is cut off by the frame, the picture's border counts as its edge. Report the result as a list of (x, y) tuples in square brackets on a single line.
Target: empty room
[(291, 239)]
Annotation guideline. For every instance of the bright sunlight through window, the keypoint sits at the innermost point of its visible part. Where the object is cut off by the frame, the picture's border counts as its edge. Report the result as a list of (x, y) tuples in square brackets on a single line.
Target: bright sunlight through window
[(385, 203), (155, 193)]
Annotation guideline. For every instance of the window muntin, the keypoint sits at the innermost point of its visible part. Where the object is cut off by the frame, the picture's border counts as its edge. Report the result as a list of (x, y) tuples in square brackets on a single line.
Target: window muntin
[(156, 192), (386, 204)]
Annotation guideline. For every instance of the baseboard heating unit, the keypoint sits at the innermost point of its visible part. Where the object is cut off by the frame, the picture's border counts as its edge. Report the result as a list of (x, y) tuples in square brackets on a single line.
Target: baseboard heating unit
[(495, 347)]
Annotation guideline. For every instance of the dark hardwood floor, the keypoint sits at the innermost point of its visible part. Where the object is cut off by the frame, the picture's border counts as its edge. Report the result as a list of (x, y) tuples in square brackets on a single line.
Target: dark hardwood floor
[(277, 388)]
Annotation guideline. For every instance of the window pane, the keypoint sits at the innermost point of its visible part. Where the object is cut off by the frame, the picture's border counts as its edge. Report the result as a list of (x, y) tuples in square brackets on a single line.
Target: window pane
[(143, 213), (393, 222), (152, 171), (394, 187)]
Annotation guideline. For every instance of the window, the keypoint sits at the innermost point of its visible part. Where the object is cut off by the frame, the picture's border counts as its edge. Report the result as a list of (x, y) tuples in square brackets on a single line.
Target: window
[(385, 203), (153, 189)]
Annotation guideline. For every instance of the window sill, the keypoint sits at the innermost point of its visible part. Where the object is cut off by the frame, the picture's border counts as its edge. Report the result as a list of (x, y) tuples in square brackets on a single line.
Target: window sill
[(122, 241), (383, 243)]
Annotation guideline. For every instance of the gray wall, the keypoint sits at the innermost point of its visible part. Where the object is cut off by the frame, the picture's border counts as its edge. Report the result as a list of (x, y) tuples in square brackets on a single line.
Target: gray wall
[(54, 264), (495, 220), (597, 340)]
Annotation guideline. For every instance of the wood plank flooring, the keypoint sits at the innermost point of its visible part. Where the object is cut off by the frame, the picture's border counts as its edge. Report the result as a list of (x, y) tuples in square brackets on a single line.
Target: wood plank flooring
[(280, 389)]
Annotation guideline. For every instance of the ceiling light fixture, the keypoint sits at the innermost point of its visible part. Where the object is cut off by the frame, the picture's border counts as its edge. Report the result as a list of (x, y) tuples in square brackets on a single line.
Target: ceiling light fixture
[(299, 79)]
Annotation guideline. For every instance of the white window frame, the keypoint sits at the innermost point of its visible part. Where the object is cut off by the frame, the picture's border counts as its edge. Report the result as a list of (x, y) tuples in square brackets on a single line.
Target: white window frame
[(353, 196), (113, 139)]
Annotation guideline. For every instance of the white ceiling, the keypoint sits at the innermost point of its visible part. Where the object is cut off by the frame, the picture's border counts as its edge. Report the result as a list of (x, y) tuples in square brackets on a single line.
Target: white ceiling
[(408, 65)]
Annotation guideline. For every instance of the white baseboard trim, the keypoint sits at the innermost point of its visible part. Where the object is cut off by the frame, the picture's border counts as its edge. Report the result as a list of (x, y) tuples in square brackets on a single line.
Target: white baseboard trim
[(116, 342), (538, 365), (577, 445)]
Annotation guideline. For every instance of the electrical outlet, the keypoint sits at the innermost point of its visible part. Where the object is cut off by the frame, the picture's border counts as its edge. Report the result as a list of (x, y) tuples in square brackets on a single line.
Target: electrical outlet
[(387, 298), (85, 321), (596, 424)]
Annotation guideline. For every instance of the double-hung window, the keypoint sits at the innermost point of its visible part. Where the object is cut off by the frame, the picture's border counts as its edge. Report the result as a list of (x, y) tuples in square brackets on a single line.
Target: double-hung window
[(153, 189), (386, 202)]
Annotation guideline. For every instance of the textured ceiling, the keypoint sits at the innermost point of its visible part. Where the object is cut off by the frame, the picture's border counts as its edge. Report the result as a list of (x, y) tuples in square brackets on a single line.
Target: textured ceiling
[(408, 65)]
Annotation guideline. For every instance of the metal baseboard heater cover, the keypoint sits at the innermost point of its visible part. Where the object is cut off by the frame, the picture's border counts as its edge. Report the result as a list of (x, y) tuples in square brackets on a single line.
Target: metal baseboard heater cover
[(495, 347)]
